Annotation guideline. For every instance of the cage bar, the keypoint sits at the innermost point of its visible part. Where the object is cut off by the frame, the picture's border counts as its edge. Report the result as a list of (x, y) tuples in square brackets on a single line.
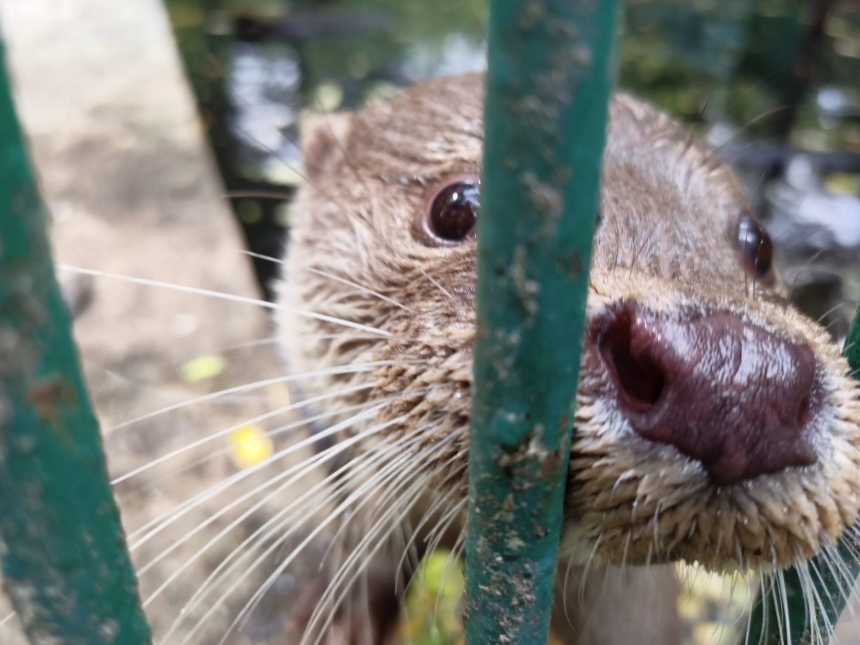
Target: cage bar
[(551, 69), (62, 550)]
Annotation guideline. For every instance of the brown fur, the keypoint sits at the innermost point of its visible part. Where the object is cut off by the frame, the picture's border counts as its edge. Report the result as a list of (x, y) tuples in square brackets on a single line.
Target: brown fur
[(669, 211)]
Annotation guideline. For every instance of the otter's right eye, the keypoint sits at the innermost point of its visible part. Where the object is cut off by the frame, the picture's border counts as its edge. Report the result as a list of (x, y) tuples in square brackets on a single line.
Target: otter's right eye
[(756, 247), (453, 214)]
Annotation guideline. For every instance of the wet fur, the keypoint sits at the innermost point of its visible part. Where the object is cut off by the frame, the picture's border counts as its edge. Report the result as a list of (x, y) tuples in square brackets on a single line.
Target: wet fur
[(665, 241)]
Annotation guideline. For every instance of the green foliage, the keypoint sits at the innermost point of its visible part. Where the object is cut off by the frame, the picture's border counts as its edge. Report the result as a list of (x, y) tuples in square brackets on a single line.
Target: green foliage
[(433, 611)]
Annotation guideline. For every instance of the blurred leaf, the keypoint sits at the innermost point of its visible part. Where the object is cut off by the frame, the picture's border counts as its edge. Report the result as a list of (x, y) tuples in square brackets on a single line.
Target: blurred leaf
[(249, 446), (202, 368)]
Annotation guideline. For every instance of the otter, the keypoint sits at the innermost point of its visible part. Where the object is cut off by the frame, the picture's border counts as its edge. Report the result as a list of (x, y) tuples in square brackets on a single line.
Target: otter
[(714, 423)]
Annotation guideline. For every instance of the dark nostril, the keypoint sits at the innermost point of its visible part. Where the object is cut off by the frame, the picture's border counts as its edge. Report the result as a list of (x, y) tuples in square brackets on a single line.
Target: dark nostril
[(638, 377)]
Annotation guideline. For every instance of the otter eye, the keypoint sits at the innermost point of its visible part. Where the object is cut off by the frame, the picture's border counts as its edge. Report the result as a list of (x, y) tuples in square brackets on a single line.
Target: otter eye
[(756, 247), (452, 215)]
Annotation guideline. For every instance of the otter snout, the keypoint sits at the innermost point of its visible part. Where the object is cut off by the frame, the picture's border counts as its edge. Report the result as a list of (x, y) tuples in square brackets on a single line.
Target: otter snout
[(724, 391)]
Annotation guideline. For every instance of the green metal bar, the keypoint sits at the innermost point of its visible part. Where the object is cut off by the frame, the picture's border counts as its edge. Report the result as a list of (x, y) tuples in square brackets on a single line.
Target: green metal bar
[(767, 623), (62, 549), (551, 70)]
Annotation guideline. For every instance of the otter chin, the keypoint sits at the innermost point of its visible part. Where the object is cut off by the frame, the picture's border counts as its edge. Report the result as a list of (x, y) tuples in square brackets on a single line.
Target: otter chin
[(714, 424)]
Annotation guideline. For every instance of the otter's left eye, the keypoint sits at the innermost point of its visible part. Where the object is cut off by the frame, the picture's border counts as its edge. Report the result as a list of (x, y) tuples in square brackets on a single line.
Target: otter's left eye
[(453, 214), (756, 247)]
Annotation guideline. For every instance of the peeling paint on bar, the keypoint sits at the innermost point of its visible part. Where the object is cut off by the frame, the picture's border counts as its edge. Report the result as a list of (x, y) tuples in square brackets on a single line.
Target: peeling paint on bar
[(62, 549), (551, 69)]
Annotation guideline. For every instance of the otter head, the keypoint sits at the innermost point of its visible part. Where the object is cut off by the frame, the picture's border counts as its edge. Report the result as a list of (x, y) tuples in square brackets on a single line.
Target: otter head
[(714, 423)]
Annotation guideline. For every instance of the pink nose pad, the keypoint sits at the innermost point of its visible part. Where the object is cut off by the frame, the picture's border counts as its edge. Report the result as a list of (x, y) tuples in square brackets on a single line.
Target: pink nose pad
[(723, 391)]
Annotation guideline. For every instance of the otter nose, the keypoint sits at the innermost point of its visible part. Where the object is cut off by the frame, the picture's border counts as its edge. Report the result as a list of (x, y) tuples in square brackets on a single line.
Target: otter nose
[(723, 391)]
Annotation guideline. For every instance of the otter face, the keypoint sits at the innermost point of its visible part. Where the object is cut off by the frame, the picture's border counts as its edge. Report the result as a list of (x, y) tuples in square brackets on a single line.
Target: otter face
[(714, 423)]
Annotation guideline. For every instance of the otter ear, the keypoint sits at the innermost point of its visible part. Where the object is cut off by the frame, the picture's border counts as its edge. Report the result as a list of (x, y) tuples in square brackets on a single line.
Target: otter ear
[(324, 137)]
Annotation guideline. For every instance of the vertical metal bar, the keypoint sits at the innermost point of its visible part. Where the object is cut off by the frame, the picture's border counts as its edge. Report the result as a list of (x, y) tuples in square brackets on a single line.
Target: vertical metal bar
[(62, 550), (768, 621), (551, 70)]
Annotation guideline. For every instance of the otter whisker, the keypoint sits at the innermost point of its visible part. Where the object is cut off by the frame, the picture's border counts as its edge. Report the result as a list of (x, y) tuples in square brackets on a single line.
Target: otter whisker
[(276, 523), (365, 490), (434, 282), (396, 511), (812, 592), (810, 617), (261, 256), (336, 540), (838, 566), (400, 538), (349, 283), (764, 614), (783, 596), (444, 524), (190, 502), (851, 547), (224, 296), (360, 553), (398, 446), (691, 578), (280, 569), (761, 117), (405, 501), (198, 499), (796, 275), (780, 603), (260, 342), (641, 246), (302, 468), (269, 433), (768, 591), (261, 194), (365, 596), (305, 502), (456, 553), (361, 288), (351, 336), (618, 237), (239, 389), (220, 295), (624, 552), (248, 387), (258, 419), (247, 549), (837, 307), (589, 560), (728, 604), (564, 602), (252, 343), (421, 456), (833, 602), (656, 528), (849, 542), (441, 501)]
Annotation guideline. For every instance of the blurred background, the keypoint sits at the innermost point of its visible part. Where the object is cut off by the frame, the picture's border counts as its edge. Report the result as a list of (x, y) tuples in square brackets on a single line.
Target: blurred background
[(772, 84), (113, 97)]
